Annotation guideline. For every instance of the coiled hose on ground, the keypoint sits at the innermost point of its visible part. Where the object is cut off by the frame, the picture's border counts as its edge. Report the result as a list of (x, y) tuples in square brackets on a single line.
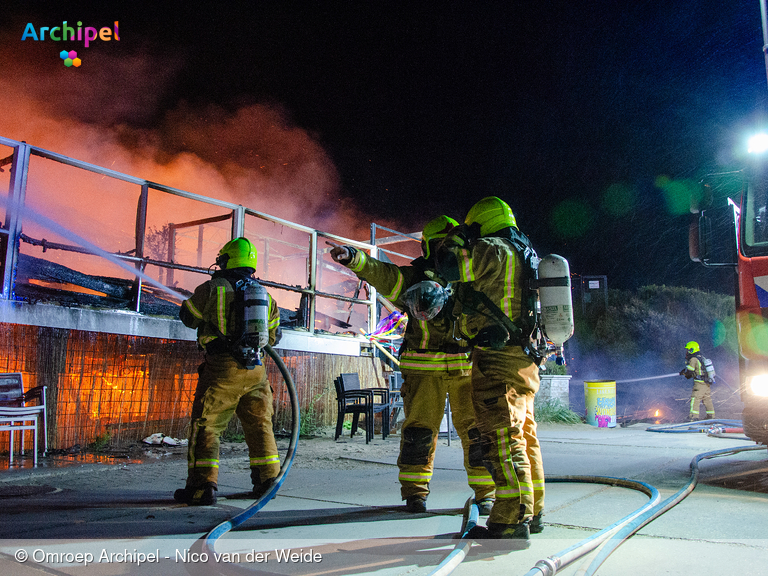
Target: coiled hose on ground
[(550, 566), (648, 516), (469, 521), (607, 540), (569, 554)]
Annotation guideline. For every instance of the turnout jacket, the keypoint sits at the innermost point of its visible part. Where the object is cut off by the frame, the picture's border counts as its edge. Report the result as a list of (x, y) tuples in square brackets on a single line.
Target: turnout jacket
[(492, 267), (212, 308), (694, 368), (428, 345)]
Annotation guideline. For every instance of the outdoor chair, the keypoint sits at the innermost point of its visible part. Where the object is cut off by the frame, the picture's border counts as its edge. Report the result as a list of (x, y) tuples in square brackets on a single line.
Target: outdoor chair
[(396, 400), (17, 416), (353, 399)]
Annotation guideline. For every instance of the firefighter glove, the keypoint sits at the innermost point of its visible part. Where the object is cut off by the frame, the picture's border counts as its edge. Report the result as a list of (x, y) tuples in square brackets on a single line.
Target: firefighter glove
[(493, 336), (342, 254)]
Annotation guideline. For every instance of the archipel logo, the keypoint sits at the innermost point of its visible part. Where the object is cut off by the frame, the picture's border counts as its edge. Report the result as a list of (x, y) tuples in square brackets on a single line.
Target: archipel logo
[(67, 33), (70, 58)]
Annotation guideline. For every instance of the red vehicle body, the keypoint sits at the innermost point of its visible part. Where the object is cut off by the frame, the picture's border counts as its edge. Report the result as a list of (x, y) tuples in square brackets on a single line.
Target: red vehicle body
[(729, 236), (752, 305)]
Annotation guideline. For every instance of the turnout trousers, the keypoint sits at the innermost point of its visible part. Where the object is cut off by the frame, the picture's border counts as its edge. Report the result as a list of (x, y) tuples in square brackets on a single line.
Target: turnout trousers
[(504, 383), (225, 388), (701, 393), (423, 394)]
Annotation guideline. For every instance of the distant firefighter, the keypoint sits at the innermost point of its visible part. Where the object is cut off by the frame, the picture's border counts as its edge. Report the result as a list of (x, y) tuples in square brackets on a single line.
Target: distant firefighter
[(235, 318), (703, 373)]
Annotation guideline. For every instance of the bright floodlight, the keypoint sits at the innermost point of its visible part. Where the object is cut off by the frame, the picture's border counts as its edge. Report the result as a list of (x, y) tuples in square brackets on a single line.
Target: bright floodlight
[(758, 144), (759, 384)]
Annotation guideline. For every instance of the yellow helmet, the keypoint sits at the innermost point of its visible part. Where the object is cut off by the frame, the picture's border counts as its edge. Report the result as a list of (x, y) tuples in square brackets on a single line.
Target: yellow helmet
[(692, 347), (434, 230), (492, 214), (237, 253)]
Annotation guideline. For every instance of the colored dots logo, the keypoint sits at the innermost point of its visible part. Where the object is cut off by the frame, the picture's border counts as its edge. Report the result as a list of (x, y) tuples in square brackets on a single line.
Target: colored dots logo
[(70, 58)]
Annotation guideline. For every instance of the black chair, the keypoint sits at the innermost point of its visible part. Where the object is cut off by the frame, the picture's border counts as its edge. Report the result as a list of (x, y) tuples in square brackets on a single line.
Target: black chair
[(353, 399)]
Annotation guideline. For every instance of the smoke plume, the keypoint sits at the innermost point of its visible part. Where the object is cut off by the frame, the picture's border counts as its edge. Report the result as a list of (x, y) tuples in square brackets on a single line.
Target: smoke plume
[(119, 112)]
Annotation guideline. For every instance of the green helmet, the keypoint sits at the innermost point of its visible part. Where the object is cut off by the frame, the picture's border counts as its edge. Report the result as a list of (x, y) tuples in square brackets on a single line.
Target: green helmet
[(435, 230), (692, 347), (492, 214), (237, 253)]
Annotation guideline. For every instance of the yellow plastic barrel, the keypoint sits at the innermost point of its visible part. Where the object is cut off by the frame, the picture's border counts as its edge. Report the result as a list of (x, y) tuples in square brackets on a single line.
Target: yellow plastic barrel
[(600, 398)]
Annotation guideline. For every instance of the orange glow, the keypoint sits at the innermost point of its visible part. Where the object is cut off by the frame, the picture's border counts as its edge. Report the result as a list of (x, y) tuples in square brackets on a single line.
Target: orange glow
[(66, 286), (658, 413)]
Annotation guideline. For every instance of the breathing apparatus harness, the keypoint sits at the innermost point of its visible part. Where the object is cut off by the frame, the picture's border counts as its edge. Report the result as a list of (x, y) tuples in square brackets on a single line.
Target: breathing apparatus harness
[(251, 320), (526, 331), (707, 368)]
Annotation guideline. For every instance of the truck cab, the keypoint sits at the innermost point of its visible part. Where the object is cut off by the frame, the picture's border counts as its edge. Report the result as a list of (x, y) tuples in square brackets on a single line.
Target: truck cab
[(734, 233)]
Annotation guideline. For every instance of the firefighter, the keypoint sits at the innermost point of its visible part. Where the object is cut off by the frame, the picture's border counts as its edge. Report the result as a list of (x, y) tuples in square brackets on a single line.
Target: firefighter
[(492, 283), (694, 368), (432, 365), (225, 385)]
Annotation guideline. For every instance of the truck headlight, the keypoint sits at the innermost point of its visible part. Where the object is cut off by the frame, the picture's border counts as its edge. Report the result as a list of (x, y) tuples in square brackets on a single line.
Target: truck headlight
[(758, 385)]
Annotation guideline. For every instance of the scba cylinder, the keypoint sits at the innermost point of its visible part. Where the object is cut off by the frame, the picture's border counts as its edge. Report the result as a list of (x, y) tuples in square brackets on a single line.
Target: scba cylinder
[(256, 311), (555, 298)]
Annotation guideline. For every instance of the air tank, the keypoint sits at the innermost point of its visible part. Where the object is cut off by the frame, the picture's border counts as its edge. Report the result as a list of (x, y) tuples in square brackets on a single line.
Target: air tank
[(256, 312), (255, 322), (555, 299)]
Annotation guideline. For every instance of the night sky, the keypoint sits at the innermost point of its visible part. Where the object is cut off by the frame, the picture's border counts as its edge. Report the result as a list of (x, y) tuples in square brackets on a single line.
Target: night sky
[(591, 119)]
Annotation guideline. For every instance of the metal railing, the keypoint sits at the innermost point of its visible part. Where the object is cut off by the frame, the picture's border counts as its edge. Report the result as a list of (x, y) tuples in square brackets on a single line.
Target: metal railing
[(12, 235)]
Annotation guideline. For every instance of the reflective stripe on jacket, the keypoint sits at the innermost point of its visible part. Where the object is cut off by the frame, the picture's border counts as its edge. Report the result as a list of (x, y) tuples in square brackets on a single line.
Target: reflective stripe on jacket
[(494, 268), (694, 366)]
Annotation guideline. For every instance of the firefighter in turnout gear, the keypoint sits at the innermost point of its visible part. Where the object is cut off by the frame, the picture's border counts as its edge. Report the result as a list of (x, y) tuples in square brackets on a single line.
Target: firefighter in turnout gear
[(492, 281), (701, 393), (227, 384), (433, 364)]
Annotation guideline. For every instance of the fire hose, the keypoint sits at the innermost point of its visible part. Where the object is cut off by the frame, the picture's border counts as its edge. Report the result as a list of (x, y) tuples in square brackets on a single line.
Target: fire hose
[(554, 563), (635, 525), (713, 427), (607, 540), (207, 544)]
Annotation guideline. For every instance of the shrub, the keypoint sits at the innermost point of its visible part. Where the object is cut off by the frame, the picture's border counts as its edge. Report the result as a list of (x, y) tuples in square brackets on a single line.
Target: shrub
[(555, 411), (658, 321)]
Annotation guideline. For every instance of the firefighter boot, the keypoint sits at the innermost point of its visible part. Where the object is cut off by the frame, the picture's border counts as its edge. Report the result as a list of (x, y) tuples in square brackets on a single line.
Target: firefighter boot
[(260, 489), (204, 495), (537, 525), (416, 504), (484, 506), (507, 536)]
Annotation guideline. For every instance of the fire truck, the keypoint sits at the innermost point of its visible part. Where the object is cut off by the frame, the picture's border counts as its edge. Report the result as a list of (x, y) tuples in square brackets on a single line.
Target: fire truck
[(734, 233)]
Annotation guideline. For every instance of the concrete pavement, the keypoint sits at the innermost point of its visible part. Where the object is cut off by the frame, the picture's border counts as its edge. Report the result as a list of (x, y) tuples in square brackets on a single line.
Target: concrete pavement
[(344, 516)]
